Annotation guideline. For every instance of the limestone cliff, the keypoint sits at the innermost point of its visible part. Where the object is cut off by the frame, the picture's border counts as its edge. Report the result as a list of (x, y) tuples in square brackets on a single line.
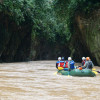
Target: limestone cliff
[(89, 34), (34, 30)]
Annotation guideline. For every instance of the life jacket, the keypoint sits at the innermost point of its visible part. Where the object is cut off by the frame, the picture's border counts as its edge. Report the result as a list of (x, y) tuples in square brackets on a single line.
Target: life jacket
[(65, 64), (72, 64), (62, 64)]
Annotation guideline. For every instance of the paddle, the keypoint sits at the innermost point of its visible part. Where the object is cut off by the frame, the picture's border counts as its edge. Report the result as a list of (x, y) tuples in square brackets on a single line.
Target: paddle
[(94, 71), (55, 73), (68, 73)]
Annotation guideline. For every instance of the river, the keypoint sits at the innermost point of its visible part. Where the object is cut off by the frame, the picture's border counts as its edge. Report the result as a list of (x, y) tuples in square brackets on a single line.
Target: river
[(37, 80)]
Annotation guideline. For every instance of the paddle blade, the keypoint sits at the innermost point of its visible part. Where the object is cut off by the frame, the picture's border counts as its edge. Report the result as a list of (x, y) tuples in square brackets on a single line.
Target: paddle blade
[(55, 73), (95, 72), (93, 69)]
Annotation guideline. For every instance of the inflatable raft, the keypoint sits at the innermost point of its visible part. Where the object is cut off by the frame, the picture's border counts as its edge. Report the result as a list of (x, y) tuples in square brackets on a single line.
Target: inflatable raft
[(77, 72)]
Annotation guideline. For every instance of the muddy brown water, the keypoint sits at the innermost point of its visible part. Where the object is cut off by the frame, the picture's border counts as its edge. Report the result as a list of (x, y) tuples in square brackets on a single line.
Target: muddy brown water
[(37, 80)]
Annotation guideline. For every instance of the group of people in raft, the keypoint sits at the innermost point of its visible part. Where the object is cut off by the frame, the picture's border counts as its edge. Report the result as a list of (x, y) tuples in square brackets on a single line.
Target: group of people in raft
[(69, 64)]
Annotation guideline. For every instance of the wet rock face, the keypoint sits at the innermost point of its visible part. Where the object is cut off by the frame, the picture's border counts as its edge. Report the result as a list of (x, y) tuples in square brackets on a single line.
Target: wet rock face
[(90, 34), (1, 1), (14, 40)]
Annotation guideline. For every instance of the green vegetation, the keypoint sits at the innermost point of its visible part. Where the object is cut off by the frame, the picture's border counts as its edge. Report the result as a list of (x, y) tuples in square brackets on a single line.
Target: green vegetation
[(17, 10), (67, 10), (44, 25), (22, 17)]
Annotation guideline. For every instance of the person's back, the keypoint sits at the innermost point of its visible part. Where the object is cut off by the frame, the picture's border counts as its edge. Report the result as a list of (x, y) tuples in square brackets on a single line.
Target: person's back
[(88, 63), (70, 63)]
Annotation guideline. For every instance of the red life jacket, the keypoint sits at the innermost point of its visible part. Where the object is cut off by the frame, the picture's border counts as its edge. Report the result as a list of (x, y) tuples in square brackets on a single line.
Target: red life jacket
[(66, 64), (63, 64), (60, 64)]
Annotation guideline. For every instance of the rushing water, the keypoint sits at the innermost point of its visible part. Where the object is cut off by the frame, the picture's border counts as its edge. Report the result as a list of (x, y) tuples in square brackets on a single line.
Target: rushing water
[(37, 80)]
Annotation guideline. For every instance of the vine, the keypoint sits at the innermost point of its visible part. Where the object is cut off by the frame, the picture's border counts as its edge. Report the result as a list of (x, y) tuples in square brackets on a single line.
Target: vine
[(68, 9)]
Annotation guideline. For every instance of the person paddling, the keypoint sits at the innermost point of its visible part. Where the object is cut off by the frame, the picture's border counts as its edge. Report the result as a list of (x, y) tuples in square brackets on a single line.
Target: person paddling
[(88, 64), (83, 61), (58, 62), (70, 63)]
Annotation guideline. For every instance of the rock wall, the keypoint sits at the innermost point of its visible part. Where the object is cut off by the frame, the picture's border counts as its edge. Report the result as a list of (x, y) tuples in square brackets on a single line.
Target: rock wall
[(17, 43), (14, 40), (89, 34)]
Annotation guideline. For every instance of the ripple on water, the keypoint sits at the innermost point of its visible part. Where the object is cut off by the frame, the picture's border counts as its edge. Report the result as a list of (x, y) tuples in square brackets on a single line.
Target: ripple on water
[(36, 80)]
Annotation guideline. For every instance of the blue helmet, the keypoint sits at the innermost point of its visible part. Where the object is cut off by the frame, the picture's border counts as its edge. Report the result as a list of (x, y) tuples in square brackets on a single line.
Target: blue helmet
[(62, 58)]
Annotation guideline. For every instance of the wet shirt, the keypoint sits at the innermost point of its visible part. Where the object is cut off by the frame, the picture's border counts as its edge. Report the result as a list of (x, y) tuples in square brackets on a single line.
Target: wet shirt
[(71, 64), (87, 64)]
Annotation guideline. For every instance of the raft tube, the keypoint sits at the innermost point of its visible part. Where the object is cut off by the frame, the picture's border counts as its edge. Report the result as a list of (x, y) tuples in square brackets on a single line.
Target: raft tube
[(77, 72)]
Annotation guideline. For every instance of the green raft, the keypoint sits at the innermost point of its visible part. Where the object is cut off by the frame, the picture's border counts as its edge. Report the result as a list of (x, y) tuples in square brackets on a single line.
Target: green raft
[(77, 72)]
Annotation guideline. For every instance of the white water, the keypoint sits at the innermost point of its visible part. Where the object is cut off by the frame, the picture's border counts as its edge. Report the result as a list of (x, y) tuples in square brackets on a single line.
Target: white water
[(37, 80)]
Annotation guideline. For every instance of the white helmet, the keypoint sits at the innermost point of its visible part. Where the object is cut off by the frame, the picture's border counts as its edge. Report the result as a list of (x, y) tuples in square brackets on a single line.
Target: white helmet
[(69, 58), (83, 58), (59, 58)]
